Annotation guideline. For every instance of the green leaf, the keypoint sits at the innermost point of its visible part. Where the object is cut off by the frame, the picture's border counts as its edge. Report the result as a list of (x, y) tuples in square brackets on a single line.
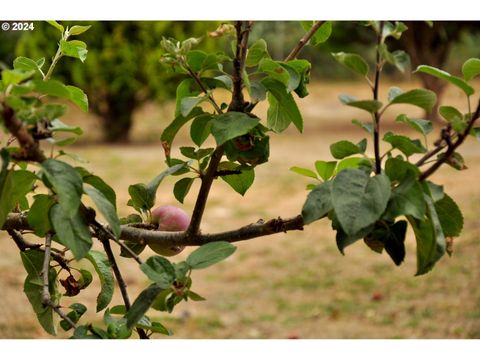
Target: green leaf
[(188, 103), (441, 74), (38, 214), (85, 279), (398, 169), (153, 185), (141, 304), (256, 52), (104, 271), (209, 254), (16, 184), (194, 296), (171, 130), (435, 191), (240, 182), (450, 216), (106, 209), (392, 30), (430, 239), (343, 239), (390, 237), (98, 183), (140, 198), (304, 172), (371, 106), (182, 187), (78, 97), (454, 117), (318, 203), (422, 98), (283, 108), (25, 64), (56, 25), (322, 34), (159, 270), (77, 311), (407, 197), (78, 29), (33, 263), (155, 327), (134, 246), (359, 200), (201, 128), (404, 144), (51, 88), (34, 295), (398, 58), (344, 148), (74, 48), (71, 231), (231, 125), (368, 126), (276, 71), (422, 126), (257, 91), (471, 68), (302, 67), (325, 168), (58, 125), (353, 62), (53, 111), (195, 59), (13, 77), (355, 163), (66, 182)]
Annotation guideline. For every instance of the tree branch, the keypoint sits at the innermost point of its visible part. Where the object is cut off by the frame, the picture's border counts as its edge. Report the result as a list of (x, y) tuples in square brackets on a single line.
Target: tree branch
[(104, 238), (237, 104), (451, 149), (167, 238), (204, 191), (46, 297), (179, 238), (30, 148), (304, 40)]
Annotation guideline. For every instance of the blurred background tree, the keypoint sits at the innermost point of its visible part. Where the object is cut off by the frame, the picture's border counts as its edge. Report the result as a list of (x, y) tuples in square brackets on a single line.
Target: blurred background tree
[(122, 70)]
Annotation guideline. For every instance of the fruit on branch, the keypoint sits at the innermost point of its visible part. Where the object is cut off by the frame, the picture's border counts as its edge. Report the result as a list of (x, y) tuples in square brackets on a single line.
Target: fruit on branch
[(169, 218)]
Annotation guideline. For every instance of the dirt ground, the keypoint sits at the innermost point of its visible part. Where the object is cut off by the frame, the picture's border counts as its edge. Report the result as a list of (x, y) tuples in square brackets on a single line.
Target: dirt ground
[(295, 284)]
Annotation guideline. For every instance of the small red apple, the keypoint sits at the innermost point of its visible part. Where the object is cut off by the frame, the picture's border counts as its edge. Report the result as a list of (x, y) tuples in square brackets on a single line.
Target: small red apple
[(169, 218)]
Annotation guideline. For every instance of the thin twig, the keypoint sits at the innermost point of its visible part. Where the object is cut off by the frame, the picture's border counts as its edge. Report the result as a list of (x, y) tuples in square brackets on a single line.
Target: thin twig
[(21, 243), (46, 297), (451, 149), (204, 89), (46, 268), (104, 239), (304, 40), (376, 116), (129, 251)]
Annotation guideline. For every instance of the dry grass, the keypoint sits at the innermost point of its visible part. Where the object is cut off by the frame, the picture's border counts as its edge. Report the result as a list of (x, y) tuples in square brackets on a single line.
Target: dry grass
[(295, 284)]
